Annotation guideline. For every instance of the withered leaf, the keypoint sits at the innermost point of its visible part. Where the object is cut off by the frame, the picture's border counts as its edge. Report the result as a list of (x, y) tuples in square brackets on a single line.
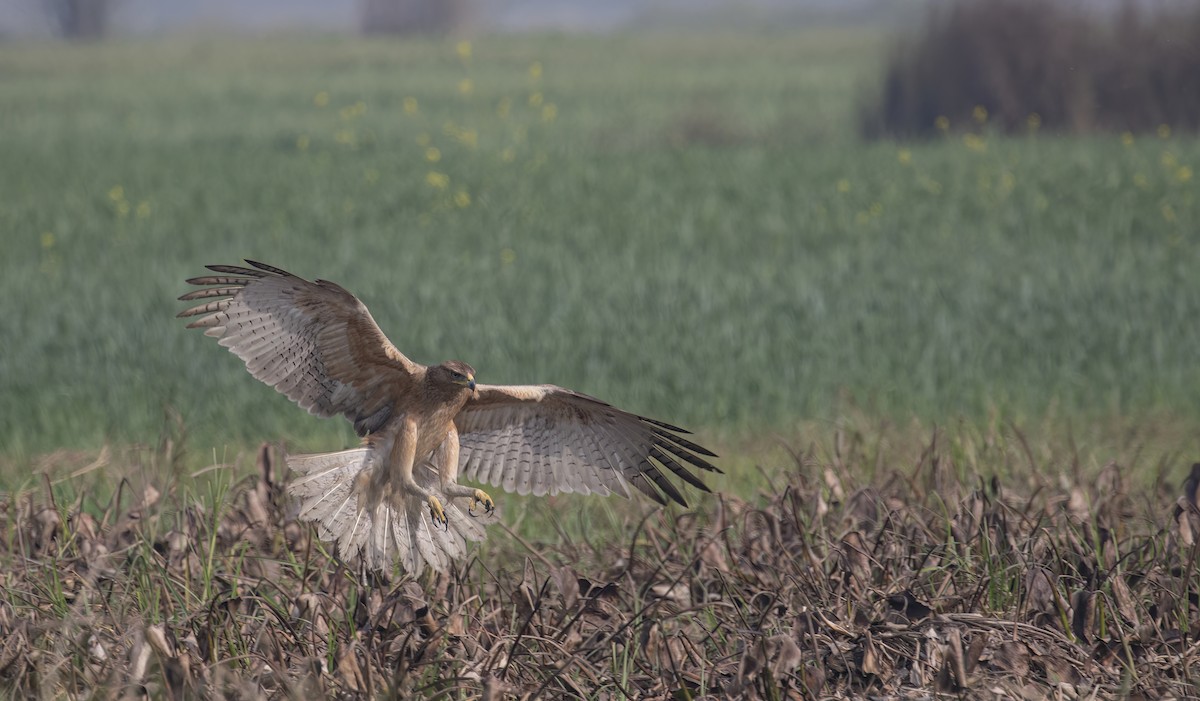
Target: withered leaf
[(1013, 657), (348, 670), (785, 655), (1040, 597), (1083, 612)]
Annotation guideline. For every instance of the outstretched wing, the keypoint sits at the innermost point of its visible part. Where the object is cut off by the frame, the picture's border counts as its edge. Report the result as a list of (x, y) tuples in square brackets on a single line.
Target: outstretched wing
[(545, 439), (312, 341)]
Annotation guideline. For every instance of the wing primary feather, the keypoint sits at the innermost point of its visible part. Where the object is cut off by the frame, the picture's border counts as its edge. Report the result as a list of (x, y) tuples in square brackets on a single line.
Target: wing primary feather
[(269, 268), (206, 308), (662, 481), (634, 459), (236, 270), (643, 484), (635, 455), (208, 322), (674, 466), (663, 424), (210, 292), (685, 443), (218, 280), (686, 456)]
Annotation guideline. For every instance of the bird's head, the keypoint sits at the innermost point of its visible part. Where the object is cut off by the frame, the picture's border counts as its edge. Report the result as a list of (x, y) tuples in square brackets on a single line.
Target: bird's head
[(455, 372)]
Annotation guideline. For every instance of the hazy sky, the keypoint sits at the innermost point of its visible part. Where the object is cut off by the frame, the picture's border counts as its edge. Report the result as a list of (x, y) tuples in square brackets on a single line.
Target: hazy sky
[(29, 18)]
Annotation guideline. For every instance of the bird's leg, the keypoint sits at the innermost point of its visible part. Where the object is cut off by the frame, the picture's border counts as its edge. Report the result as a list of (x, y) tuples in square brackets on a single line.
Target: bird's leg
[(447, 466), (403, 456)]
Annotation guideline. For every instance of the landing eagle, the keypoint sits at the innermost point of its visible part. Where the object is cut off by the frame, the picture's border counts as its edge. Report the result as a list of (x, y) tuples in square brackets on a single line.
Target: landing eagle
[(422, 426)]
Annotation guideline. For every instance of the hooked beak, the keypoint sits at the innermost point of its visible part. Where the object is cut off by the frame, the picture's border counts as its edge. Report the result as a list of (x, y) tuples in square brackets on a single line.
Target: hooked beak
[(471, 383)]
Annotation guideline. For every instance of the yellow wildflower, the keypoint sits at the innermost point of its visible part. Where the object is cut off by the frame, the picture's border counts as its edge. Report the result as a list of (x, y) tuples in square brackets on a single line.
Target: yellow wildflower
[(1164, 131), (1168, 212), (1140, 180), (876, 209), (503, 107), (904, 156), (549, 112), (508, 155), (942, 123), (508, 256), (47, 239), (1127, 139), (116, 193), (466, 86), (468, 138), (975, 142), (535, 100), (371, 175), (462, 199), (535, 70), (432, 154), (843, 186), (463, 49), (321, 99), (122, 208), (302, 142), (979, 114), (1183, 174), (143, 210), (438, 180), (410, 106), (1033, 121)]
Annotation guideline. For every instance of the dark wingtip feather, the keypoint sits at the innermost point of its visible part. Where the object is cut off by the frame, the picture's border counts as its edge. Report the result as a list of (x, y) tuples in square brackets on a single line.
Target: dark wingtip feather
[(664, 424), (685, 443), (269, 268), (235, 270), (664, 442), (673, 465), (645, 486), (660, 480)]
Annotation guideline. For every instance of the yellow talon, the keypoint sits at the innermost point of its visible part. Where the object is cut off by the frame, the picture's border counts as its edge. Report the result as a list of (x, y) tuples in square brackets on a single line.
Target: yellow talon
[(481, 497), (439, 514)]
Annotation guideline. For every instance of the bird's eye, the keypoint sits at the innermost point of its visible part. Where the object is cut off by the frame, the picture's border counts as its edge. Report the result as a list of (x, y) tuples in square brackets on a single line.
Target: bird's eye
[(458, 375)]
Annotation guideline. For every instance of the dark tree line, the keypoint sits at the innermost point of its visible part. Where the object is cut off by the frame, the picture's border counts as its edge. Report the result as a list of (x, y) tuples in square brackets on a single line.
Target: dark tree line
[(91, 19), (80, 19), (412, 16)]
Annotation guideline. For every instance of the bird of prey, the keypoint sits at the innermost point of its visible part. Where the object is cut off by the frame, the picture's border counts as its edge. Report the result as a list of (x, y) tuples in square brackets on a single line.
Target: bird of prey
[(422, 426)]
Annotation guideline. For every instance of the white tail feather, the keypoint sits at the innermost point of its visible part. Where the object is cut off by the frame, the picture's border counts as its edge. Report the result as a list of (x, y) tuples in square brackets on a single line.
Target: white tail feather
[(388, 532)]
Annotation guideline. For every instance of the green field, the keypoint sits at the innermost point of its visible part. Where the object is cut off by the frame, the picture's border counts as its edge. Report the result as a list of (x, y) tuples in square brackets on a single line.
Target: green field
[(954, 383), (686, 226)]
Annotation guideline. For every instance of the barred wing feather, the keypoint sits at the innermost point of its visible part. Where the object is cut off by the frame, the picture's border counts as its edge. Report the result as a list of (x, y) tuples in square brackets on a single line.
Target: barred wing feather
[(312, 341), (543, 439)]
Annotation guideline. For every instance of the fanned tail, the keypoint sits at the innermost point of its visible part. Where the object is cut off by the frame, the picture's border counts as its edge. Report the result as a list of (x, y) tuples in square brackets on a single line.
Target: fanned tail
[(392, 530)]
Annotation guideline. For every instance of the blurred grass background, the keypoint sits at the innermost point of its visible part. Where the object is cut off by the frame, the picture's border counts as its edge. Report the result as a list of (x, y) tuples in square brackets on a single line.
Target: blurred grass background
[(687, 226)]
